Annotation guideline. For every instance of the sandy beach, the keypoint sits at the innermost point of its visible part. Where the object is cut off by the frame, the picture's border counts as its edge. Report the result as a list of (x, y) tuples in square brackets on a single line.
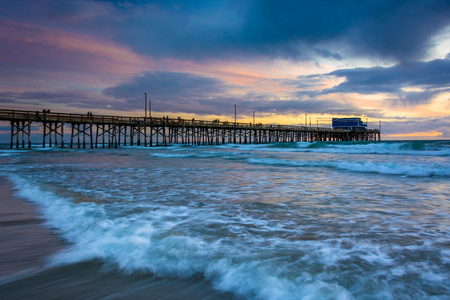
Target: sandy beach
[(25, 240)]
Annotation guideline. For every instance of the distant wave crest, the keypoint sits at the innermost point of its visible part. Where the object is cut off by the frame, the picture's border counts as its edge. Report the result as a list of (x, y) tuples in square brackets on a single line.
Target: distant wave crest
[(389, 168), (424, 148)]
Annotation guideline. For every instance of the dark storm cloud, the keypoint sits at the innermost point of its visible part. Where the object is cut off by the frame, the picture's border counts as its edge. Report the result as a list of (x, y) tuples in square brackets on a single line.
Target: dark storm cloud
[(200, 29), (189, 93), (290, 29), (431, 77)]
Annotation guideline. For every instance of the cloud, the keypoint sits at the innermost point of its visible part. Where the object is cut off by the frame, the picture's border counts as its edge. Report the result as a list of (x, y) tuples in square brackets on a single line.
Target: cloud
[(412, 83), (183, 93), (43, 99), (169, 91), (296, 107), (201, 29), (288, 29), (413, 126), (327, 54), (189, 93), (35, 46)]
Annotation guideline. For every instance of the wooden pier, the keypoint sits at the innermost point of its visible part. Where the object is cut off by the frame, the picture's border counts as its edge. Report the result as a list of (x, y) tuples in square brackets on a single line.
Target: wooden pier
[(112, 131)]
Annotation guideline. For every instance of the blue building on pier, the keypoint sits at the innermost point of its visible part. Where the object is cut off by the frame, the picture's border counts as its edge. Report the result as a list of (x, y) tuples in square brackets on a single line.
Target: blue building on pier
[(354, 124)]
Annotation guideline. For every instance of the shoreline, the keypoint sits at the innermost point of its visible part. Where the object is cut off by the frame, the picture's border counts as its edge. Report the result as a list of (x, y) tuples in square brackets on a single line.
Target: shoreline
[(26, 242)]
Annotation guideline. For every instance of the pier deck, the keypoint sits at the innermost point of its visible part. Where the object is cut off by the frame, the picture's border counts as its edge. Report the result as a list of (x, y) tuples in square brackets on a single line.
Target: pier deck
[(113, 131)]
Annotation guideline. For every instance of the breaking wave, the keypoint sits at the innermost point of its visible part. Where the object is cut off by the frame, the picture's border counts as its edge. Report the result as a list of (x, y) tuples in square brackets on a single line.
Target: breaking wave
[(390, 168), (424, 148)]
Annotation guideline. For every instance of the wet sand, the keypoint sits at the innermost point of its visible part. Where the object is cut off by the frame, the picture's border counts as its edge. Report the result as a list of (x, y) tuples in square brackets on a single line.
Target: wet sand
[(24, 239)]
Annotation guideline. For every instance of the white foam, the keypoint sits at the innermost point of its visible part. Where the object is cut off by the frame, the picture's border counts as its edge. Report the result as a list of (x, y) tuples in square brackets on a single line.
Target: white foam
[(239, 252)]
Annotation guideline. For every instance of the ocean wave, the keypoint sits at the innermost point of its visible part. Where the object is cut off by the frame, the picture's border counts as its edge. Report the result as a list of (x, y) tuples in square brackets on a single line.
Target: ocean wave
[(203, 154), (153, 242), (173, 155), (11, 152), (248, 255), (423, 148), (415, 170), (395, 169)]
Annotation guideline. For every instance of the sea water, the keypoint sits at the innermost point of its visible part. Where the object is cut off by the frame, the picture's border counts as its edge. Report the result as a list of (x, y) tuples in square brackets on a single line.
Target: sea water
[(323, 220)]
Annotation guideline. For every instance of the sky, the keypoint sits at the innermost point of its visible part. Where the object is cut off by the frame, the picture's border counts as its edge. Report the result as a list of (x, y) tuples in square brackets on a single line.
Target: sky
[(386, 61)]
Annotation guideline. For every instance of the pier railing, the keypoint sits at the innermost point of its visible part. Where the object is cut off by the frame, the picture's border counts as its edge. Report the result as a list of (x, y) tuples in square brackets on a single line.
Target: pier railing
[(40, 116)]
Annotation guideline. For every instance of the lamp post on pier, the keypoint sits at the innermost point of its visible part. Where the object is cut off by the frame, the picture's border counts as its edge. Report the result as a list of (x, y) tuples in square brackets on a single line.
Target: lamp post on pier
[(145, 106), (235, 129), (254, 118)]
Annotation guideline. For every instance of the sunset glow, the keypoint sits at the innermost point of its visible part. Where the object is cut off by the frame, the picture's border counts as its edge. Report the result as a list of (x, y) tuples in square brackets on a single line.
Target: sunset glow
[(103, 56)]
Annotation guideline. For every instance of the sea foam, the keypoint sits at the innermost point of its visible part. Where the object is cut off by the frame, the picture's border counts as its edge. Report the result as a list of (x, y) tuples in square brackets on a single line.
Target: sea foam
[(153, 242), (258, 223)]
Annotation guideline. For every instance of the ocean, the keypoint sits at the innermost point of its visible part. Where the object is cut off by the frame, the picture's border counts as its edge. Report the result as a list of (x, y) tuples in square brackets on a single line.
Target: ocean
[(321, 220)]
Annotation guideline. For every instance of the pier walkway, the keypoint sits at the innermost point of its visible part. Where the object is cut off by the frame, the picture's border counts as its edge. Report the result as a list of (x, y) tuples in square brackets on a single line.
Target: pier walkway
[(113, 131)]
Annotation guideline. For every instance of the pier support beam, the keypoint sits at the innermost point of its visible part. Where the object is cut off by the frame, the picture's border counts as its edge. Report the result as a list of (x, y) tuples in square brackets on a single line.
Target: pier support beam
[(20, 129), (81, 131), (55, 128)]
